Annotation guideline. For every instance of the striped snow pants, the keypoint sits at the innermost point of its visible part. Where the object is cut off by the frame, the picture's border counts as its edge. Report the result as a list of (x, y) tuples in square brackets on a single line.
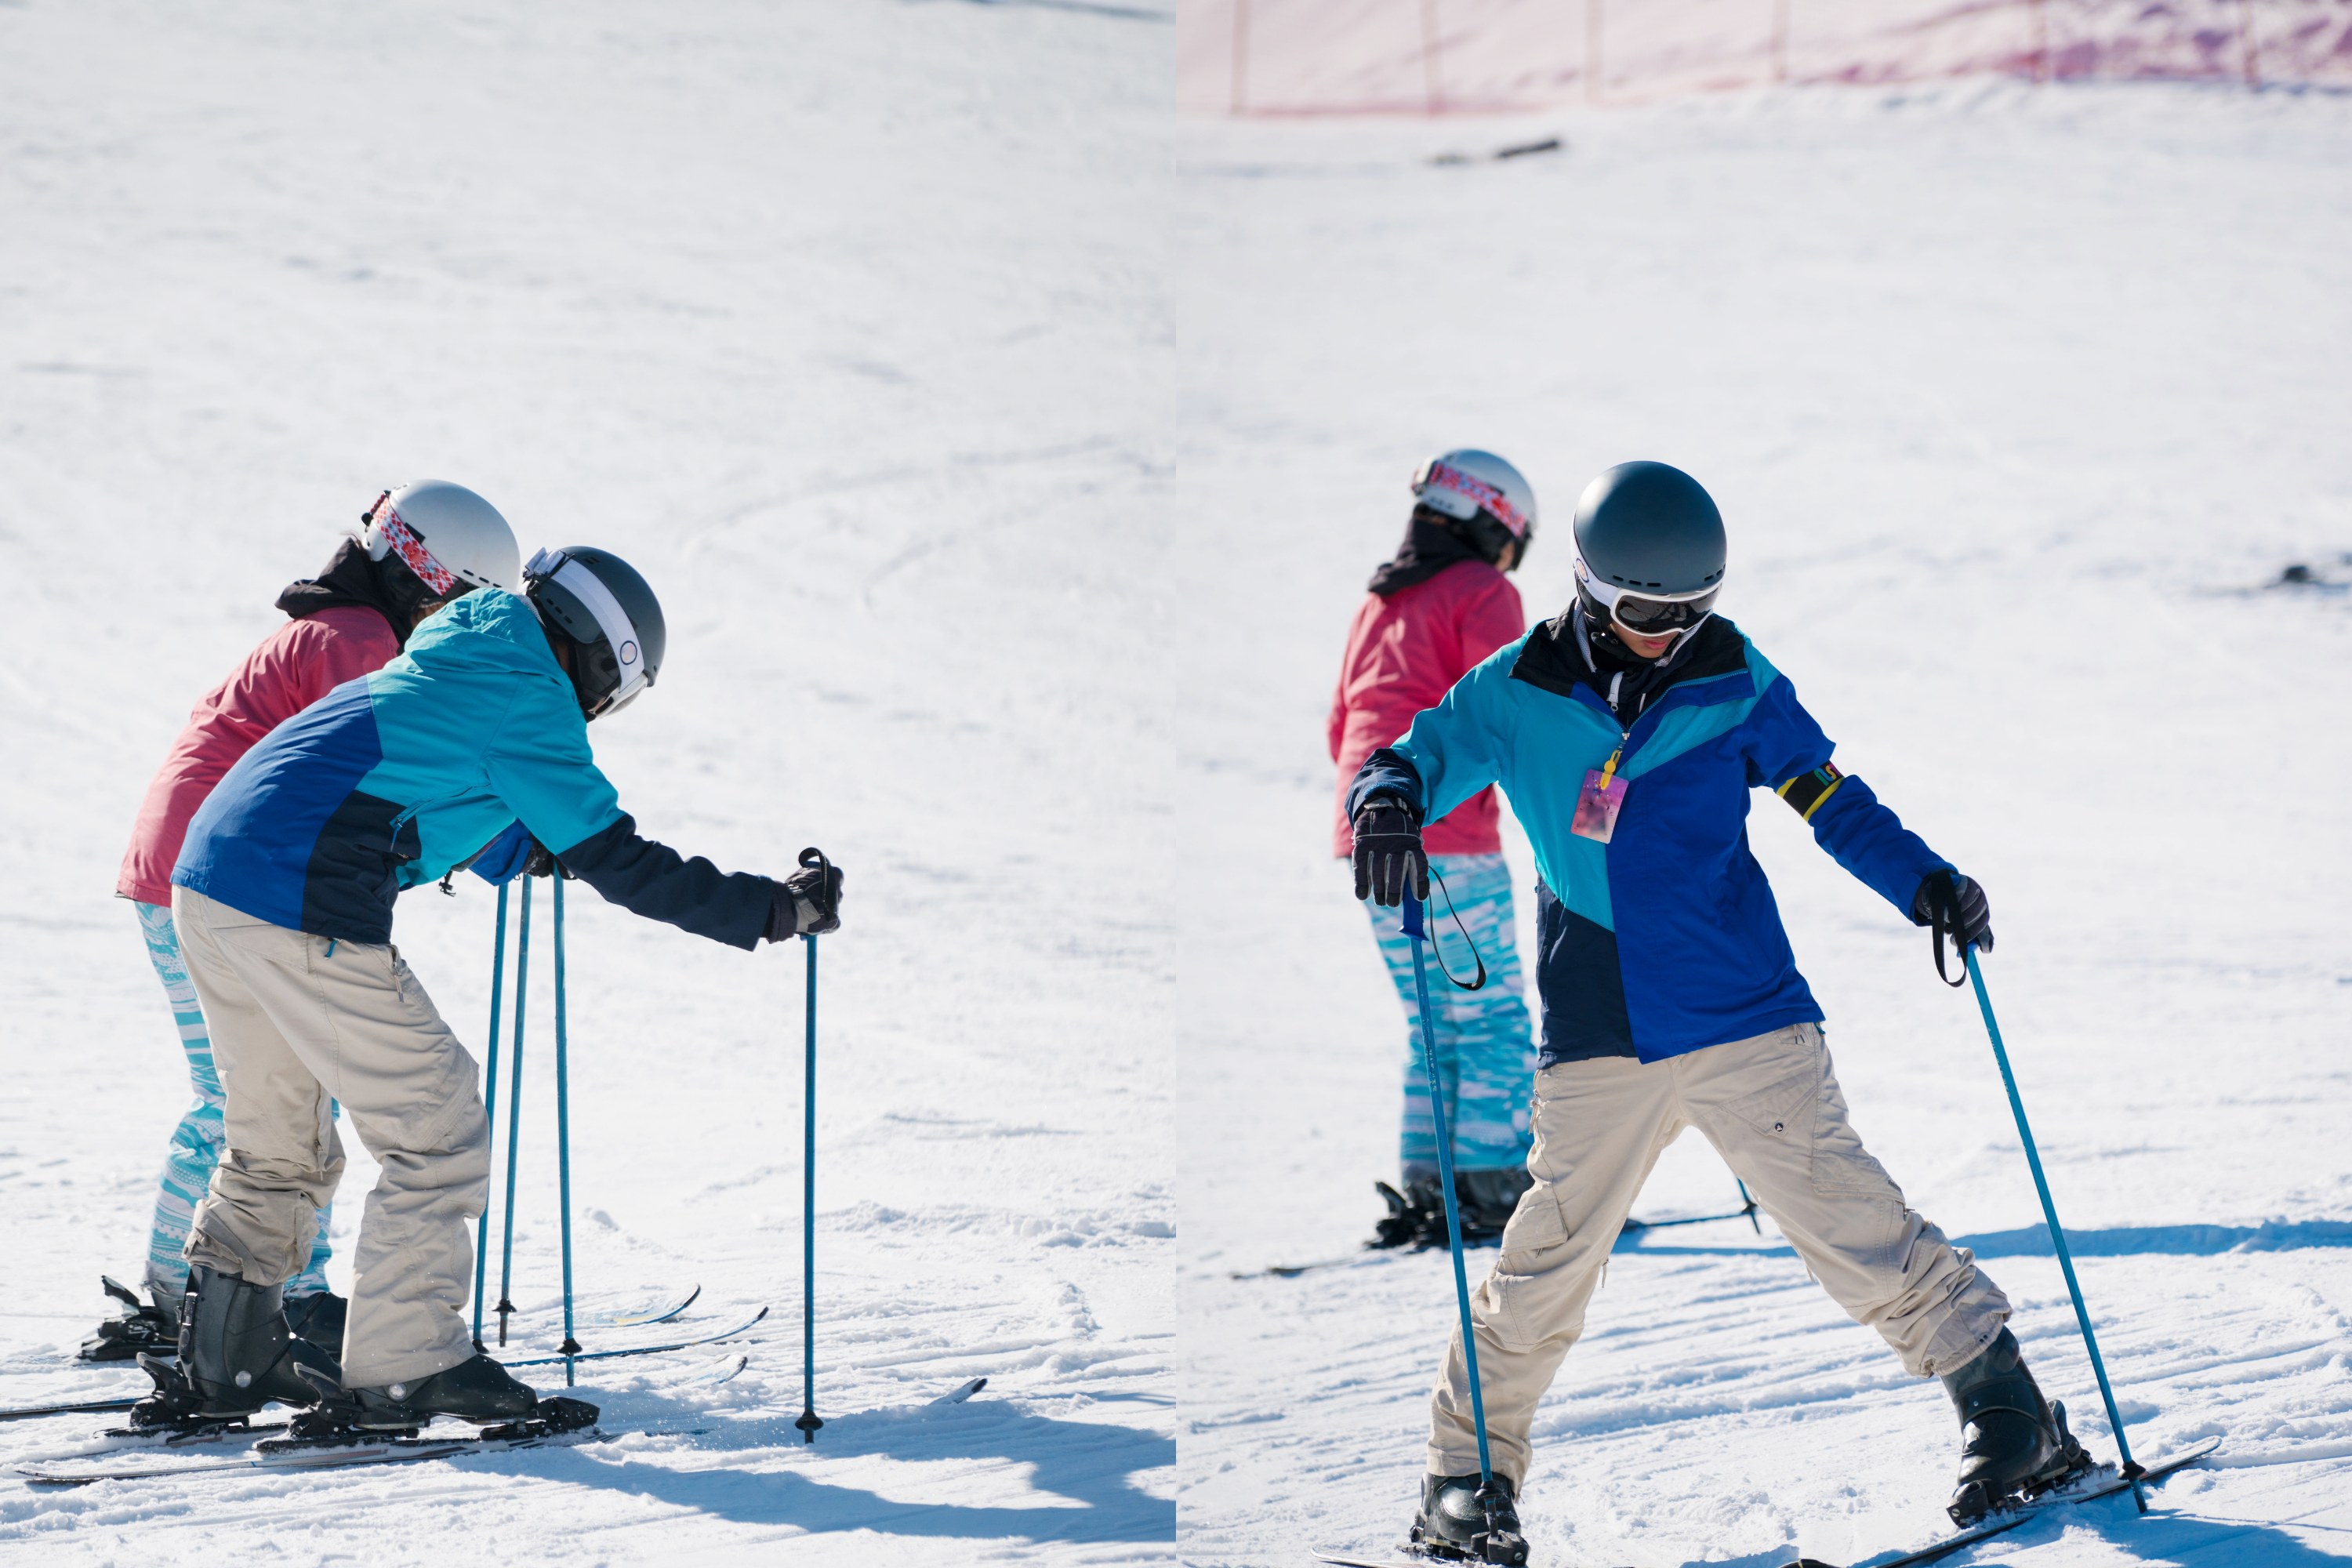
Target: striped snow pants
[(1485, 1058), (195, 1146)]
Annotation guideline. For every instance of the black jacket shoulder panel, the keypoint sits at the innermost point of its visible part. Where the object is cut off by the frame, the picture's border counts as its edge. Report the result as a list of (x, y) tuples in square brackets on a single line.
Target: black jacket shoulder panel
[(1553, 660)]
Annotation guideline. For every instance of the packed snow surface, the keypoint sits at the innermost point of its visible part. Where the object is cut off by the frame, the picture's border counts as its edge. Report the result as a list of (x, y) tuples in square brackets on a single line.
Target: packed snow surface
[(839, 322), (2014, 403)]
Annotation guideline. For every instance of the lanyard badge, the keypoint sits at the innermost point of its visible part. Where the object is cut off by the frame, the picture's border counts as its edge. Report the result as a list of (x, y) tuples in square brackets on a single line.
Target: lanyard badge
[(1598, 802)]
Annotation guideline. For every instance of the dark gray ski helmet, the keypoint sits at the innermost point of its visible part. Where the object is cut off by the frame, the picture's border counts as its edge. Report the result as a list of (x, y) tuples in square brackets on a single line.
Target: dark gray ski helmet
[(613, 622), (1650, 548), (1650, 527)]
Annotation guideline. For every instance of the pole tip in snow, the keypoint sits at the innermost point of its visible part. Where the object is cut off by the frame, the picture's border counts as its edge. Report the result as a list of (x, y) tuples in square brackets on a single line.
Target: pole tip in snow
[(808, 1424)]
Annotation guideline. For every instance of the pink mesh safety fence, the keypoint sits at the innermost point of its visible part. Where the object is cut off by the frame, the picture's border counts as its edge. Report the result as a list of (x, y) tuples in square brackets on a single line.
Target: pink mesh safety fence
[(1436, 57)]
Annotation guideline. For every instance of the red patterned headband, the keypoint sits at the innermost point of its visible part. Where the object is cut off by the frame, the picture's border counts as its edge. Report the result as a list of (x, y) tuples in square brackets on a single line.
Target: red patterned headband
[(412, 550)]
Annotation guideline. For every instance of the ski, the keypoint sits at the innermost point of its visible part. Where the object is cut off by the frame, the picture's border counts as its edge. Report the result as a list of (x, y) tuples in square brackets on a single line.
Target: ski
[(77, 1407), (660, 1311), (1404, 1557), (654, 1314), (958, 1396), (2100, 1483), (113, 1406), (737, 1332), (563, 1421), (727, 1369), (1632, 1227)]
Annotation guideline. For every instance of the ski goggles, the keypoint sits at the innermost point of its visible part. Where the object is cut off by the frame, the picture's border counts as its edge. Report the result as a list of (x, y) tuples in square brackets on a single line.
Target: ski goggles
[(1435, 475), (1647, 615), (620, 672), (386, 535)]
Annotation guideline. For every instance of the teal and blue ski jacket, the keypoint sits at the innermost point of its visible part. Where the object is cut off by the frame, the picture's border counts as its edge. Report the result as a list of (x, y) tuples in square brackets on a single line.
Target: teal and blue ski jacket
[(1665, 939), (400, 776)]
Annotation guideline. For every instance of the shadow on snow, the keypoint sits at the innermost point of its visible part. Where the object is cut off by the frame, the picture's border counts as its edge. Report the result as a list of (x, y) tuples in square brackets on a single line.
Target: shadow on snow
[(1089, 1463)]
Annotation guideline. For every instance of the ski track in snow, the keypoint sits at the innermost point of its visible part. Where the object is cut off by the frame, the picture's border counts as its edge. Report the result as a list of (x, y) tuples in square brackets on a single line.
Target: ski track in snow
[(2014, 401), (838, 323)]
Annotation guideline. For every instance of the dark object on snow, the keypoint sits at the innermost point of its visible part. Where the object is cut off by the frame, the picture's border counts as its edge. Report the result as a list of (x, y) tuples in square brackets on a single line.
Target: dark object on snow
[(1522, 150), (2014, 1442), (318, 1318), (235, 1355), (148, 1329), (1465, 1521)]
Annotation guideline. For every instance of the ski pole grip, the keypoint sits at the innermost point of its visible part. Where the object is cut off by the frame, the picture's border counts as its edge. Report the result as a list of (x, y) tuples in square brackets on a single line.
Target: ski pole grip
[(1411, 923)]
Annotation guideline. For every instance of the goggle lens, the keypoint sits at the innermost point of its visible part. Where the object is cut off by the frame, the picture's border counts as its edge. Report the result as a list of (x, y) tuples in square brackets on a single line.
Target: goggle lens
[(1655, 617)]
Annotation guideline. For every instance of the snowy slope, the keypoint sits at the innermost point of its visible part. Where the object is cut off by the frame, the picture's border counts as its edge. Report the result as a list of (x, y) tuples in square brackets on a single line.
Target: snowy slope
[(839, 321), (2013, 403)]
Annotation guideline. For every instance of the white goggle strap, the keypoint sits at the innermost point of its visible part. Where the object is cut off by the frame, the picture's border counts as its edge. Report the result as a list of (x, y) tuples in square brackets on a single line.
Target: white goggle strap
[(1609, 593), (610, 619)]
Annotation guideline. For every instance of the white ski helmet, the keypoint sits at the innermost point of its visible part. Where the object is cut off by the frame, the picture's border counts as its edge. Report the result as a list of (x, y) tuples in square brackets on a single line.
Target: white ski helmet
[(445, 533), (1483, 491)]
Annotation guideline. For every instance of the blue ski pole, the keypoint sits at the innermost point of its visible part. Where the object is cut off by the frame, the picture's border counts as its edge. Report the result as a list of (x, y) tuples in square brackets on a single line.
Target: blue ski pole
[(514, 1119), (809, 1423), (571, 1346), (490, 1108), (1413, 929), (2132, 1472)]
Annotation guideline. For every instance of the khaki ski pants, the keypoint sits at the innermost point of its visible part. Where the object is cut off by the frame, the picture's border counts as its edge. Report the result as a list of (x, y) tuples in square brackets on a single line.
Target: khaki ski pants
[(1772, 1109), (296, 1021)]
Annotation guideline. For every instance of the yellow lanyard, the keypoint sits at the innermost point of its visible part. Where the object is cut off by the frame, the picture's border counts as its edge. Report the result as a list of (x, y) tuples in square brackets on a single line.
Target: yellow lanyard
[(1609, 769)]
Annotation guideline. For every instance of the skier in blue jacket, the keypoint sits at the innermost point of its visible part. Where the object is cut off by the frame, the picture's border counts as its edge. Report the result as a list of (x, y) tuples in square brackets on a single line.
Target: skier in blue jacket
[(1629, 733), (475, 736)]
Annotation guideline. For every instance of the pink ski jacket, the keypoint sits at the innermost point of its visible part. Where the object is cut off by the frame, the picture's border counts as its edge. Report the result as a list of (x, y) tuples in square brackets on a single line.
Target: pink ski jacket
[(295, 666), (1405, 652)]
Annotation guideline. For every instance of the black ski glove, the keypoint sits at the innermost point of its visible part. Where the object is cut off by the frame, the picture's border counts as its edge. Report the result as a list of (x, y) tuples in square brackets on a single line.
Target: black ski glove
[(1956, 906), (541, 861), (807, 902), (1387, 852)]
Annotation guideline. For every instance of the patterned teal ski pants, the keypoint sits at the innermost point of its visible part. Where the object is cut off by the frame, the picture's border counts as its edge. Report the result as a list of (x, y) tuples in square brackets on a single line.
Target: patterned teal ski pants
[(195, 1146), (1484, 1056)]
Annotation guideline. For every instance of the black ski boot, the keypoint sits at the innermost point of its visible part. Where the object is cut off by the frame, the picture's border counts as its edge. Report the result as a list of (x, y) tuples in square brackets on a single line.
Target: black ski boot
[(150, 1328), (479, 1391), (235, 1356), (318, 1318), (1464, 1524), (1410, 1215), (2014, 1444), (1487, 1199)]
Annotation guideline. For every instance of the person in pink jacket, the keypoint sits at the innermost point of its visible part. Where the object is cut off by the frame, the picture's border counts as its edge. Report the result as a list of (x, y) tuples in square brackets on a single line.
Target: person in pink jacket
[(1439, 608), (420, 546)]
